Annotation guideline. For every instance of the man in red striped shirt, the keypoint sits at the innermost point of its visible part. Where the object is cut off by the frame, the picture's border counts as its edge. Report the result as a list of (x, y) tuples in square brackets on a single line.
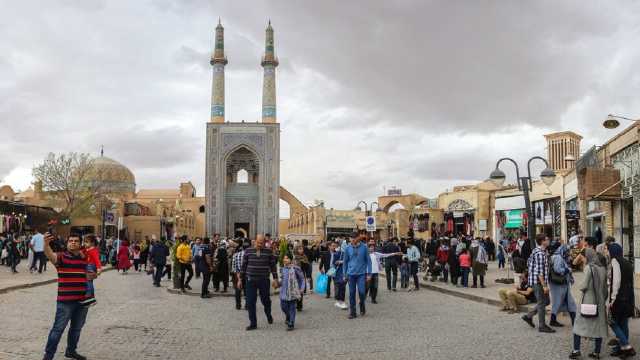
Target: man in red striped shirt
[(72, 286)]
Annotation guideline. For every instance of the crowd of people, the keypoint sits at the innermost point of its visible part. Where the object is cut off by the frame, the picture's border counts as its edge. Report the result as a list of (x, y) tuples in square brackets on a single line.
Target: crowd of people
[(547, 276), (254, 267), (26, 246)]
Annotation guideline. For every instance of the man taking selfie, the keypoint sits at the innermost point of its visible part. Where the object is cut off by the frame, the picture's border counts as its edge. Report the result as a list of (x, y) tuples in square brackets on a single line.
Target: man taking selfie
[(71, 265)]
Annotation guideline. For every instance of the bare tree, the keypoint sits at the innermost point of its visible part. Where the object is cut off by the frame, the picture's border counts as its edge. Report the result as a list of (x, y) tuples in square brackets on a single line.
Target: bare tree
[(71, 179)]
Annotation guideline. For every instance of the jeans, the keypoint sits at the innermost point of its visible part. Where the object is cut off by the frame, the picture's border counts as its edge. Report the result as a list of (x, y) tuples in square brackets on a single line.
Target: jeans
[(359, 281), (197, 260), (39, 256), (167, 271), (621, 329), (391, 270), (159, 271), (237, 291), (465, 276), (300, 302), (66, 312), (289, 309), (340, 290), (475, 280), (329, 278), (372, 287), (255, 286), (206, 278), (188, 268), (597, 344), (543, 301), (414, 273)]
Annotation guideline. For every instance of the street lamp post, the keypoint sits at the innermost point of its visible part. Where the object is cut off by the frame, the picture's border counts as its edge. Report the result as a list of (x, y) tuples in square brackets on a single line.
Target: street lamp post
[(525, 185)]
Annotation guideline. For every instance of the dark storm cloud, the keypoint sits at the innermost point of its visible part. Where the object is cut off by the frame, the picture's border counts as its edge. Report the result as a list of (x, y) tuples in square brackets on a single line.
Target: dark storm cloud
[(416, 94)]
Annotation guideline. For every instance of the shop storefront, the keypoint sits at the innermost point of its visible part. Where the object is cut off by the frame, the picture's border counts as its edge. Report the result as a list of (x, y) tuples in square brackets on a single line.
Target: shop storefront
[(510, 217), (19, 218), (596, 220), (572, 216), (547, 217), (460, 218)]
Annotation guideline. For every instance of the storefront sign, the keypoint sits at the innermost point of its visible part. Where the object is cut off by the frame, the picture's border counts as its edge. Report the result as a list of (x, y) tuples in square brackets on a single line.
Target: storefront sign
[(482, 224), (572, 214), (514, 219)]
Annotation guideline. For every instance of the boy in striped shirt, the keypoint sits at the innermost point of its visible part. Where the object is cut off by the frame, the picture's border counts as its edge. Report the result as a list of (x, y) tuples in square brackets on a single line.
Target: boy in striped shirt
[(72, 287)]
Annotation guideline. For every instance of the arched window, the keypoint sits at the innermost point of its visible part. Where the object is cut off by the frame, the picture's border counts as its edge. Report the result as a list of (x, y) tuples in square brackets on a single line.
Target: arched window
[(242, 177)]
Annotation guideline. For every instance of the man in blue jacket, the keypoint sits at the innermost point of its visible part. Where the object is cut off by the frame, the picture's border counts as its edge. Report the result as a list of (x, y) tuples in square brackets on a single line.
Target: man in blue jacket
[(357, 270)]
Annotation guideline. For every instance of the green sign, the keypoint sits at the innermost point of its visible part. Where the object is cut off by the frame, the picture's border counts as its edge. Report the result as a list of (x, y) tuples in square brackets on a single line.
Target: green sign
[(514, 219), (65, 221)]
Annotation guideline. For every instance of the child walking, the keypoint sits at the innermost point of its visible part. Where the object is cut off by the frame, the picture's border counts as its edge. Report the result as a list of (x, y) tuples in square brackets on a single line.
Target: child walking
[(93, 266), (137, 265), (291, 290), (465, 266)]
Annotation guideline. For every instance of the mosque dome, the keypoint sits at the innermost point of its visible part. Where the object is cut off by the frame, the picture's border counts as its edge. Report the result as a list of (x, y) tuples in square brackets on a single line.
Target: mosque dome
[(112, 176)]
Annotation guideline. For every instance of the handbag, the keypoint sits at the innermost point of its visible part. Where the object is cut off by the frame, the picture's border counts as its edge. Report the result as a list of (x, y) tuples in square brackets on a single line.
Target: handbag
[(590, 310), (331, 272)]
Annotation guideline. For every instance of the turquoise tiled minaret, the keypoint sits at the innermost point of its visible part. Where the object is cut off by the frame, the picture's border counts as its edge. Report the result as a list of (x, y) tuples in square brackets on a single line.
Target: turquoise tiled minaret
[(218, 61), (269, 63)]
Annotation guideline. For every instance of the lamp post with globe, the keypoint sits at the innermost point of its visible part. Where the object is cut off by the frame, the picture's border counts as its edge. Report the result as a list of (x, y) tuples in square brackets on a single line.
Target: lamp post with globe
[(525, 185)]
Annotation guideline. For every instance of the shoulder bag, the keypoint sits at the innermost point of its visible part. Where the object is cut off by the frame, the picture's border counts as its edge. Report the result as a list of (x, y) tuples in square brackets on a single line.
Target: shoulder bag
[(590, 310), (555, 277)]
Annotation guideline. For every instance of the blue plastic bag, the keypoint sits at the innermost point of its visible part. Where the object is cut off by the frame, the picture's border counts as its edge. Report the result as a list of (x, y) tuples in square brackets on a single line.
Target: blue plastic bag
[(321, 284)]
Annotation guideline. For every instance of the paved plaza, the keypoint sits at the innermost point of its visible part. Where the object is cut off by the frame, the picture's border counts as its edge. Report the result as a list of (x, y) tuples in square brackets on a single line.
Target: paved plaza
[(134, 320)]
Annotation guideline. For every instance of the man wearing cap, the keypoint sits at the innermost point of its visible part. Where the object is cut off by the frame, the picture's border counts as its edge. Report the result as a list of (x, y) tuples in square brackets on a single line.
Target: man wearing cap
[(357, 270)]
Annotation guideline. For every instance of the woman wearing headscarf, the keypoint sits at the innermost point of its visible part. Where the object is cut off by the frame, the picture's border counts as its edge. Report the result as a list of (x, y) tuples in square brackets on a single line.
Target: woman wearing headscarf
[(479, 261), (594, 292), (454, 263), (621, 300), (560, 281), (123, 257)]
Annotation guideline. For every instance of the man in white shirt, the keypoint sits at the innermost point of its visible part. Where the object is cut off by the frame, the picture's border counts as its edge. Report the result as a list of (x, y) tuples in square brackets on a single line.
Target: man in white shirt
[(37, 245), (575, 239)]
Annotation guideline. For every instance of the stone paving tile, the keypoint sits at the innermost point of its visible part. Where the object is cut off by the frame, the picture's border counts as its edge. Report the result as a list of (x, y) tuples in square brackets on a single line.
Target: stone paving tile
[(134, 320)]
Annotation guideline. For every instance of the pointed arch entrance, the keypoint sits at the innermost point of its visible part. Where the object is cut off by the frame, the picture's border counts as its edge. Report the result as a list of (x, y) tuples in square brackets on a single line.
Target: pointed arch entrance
[(241, 191)]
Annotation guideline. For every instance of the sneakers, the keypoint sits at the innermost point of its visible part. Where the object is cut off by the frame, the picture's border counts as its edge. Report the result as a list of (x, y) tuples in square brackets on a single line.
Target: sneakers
[(270, 319), (528, 320), (575, 355), (251, 327), (337, 304), (352, 316), (343, 306)]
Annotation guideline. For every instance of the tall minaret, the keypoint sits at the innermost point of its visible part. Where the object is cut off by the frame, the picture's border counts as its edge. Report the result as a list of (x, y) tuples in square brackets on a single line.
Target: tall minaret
[(269, 63), (218, 61)]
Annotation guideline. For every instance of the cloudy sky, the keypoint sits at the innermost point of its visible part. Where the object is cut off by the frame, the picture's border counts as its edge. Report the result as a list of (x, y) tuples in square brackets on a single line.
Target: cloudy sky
[(422, 95)]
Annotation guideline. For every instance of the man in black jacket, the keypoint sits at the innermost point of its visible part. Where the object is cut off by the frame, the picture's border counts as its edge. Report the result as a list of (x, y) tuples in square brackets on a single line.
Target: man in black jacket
[(391, 263), (158, 254)]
